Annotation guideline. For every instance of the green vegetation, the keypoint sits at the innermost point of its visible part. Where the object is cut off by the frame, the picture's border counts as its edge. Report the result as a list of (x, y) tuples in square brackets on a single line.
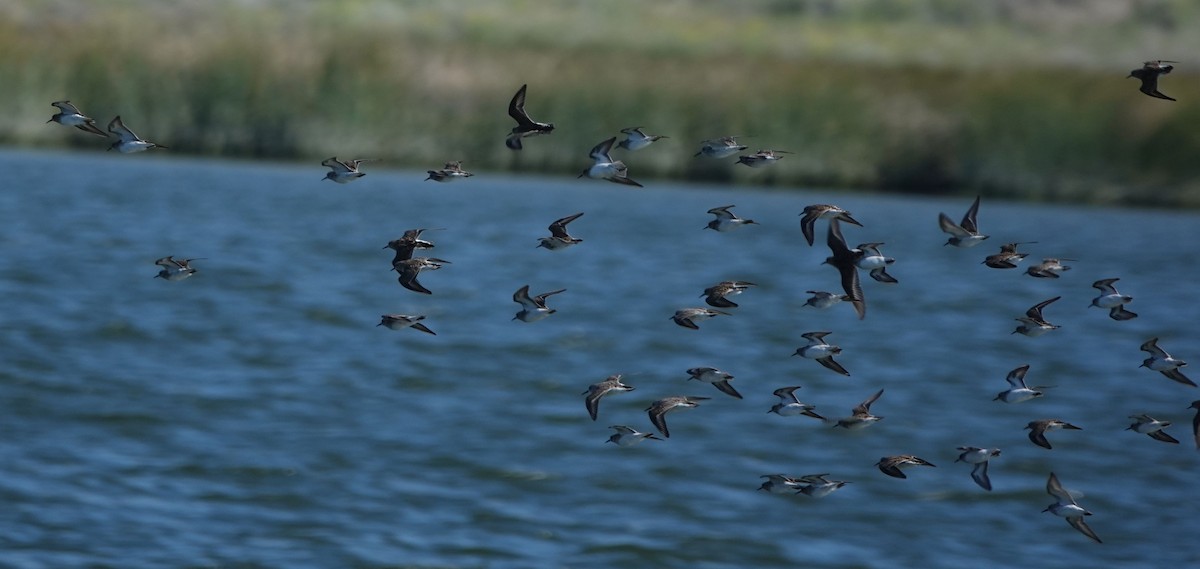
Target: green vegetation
[(1024, 98)]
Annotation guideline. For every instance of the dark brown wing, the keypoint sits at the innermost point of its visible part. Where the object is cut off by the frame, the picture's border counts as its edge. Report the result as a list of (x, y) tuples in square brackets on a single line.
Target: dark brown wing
[(968, 220), (516, 108)]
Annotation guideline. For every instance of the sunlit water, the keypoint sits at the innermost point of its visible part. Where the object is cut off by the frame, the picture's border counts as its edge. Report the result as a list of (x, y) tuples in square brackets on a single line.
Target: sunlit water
[(255, 416)]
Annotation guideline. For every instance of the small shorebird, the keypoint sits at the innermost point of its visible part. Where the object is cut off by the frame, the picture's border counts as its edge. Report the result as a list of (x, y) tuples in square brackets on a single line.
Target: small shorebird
[(966, 233), (762, 158), (1152, 427), (70, 115), (715, 295), (1196, 422), (406, 244), (1148, 75), (720, 147), (410, 268), (718, 378), (1033, 324), (874, 262), (342, 171), (822, 300), (845, 261), (1066, 507), (822, 211), (821, 351), (1018, 391), (605, 168), (727, 220), (635, 139), (559, 238), (1008, 257), (450, 172), (1112, 300), (402, 321), (979, 457), (891, 465), (817, 486), (598, 390), (789, 405), (175, 269), (1049, 268), (687, 317), (526, 126), (127, 141), (1037, 430), (780, 484), (861, 417), (627, 436), (533, 308), (1163, 363), (659, 409)]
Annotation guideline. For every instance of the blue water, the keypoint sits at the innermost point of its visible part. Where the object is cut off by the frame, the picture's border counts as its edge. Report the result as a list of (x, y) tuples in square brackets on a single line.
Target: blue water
[(255, 416)]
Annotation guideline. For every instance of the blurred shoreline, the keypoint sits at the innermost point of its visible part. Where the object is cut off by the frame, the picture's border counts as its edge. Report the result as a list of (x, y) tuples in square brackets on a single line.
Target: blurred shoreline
[(1020, 100)]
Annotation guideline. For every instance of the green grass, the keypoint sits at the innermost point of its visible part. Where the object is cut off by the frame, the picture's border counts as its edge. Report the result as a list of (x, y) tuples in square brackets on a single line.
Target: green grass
[(1020, 99)]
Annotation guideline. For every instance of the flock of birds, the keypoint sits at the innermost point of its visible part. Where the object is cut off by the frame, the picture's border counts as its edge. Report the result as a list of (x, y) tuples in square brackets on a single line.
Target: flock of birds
[(848, 261)]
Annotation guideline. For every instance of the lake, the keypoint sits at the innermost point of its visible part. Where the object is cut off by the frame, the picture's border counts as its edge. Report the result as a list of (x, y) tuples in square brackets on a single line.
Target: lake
[(254, 415)]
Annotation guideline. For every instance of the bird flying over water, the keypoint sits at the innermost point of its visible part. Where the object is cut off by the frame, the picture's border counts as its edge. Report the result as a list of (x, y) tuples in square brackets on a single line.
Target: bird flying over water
[(605, 168), (845, 260), (526, 126), (965, 233), (1066, 507), (70, 115)]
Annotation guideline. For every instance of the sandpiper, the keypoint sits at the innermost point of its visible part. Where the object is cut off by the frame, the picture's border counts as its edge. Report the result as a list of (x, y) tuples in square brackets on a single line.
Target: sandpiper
[(822, 300), (175, 269), (342, 171), (1152, 427), (627, 436), (979, 457), (822, 211), (762, 158), (715, 295), (1066, 507), (789, 405), (402, 321), (533, 308), (720, 147), (875, 262), (559, 238), (410, 268), (718, 378), (450, 172), (1196, 422), (659, 409), (406, 244), (598, 390), (127, 141), (727, 220), (687, 317), (1033, 324), (821, 351), (635, 139), (1163, 363), (1049, 268), (1037, 430), (861, 417), (964, 234), (1008, 257), (1018, 391), (780, 484), (526, 126), (891, 465), (605, 168), (1112, 300), (817, 486), (1148, 75), (70, 115), (845, 261)]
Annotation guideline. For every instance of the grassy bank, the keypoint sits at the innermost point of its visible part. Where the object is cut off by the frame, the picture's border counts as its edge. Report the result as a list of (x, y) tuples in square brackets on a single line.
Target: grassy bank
[(924, 96)]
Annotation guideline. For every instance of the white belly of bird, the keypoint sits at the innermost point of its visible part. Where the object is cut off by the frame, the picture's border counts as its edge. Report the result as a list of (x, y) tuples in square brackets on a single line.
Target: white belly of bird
[(1109, 301), (1019, 395), (133, 146), (720, 151), (872, 262), (532, 315), (818, 352), (1159, 364), (604, 171), (791, 409)]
